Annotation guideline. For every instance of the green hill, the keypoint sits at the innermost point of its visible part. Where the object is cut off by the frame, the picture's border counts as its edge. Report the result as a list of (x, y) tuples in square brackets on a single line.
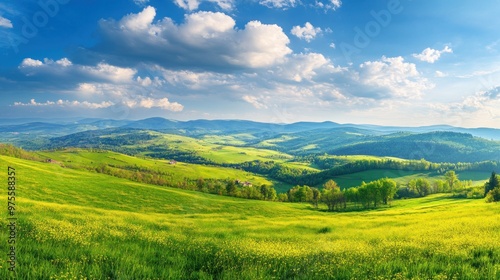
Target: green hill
[(175, 173), (74, 224)]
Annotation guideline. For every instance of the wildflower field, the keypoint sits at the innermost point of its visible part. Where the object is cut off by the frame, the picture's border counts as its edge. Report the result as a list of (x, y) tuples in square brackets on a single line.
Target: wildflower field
[(74, 224)]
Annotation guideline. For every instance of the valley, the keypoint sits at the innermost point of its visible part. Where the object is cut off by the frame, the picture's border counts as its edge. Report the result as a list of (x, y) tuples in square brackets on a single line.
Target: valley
[(213, 204)]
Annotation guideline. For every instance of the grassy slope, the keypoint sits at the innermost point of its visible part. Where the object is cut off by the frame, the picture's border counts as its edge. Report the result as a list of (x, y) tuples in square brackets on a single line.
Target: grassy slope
[(179, 171), (403, 177), (74, 223), (217, 153)]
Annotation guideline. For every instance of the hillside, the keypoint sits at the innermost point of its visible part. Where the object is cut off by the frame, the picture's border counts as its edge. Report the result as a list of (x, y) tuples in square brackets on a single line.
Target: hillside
[(433, 143), (76, 224)]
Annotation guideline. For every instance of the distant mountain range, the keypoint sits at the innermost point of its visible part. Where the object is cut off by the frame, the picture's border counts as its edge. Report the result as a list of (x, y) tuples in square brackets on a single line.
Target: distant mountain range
[(59, 126), (436, 143)]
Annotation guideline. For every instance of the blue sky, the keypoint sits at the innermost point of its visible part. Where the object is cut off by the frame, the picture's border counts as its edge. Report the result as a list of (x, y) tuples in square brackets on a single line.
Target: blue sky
[(394, 62)]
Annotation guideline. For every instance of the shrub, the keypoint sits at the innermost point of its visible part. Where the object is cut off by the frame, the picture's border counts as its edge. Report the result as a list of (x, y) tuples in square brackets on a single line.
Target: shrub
[(493, 195)]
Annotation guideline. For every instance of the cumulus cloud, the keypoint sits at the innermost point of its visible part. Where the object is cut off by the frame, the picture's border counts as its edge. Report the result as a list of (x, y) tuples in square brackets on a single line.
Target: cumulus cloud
[(102, 71), (140, 21), (308, 32), (148, 103), (5, 23), (196, 80), (87, 88), (100, 83), (392, 76), (431, 55), (192, 5), (480, 100), (29, 62), (109, 72), (206, 39), (303, 66)]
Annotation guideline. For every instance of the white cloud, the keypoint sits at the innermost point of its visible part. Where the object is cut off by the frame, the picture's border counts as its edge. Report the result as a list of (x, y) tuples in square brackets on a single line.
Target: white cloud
[(64, 66), (431, 55), (109, 72), (205, 39), (286, 4), (206, 25), (188, 4), (308, 32), (440, 74), (148, 103), (281, 4), (101, 82), (140, 21), (335, 4), (87, 88), (192, 5), (393, 77), (329, 5), (255, 101), (303, 66), (141, 2), (67, 103), (29, 62), (64, 62), (332, 45), (196, 80), (5, 23), (478, 108)]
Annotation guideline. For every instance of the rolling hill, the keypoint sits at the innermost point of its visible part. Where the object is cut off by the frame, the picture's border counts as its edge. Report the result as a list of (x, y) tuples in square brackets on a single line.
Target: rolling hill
[(432, 146), (85, 225)]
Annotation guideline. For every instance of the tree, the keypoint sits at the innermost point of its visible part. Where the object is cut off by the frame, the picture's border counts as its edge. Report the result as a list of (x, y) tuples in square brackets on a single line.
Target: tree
[(300, 194), (439, 186), (451, 178), (493, 195), (316, 196), (373, 192), (268, 193), (332, 196), (352, 195), (492, 183), (231, 188), (423, 187), (388, 188)]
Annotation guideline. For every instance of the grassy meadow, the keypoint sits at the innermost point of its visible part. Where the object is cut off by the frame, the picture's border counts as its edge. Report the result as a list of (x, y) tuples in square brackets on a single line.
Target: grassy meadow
[(81, 159), (219, 153), (402, 177), (75, 224)]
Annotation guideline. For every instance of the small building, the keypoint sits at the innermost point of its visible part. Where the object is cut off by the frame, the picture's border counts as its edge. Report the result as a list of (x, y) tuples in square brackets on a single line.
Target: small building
[(247, 184)]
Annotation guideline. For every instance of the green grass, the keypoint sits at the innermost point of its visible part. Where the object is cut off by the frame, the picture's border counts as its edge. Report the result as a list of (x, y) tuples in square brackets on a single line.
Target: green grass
[(81, 158), (402, 177), (217, 152), (78, 225)]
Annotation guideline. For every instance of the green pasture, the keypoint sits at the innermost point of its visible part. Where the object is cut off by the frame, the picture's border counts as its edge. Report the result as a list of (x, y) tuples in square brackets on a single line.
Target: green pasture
[(74, 224)]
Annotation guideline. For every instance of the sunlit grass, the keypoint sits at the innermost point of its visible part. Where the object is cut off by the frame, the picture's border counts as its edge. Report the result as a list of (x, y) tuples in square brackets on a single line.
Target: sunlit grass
[(79, 225)]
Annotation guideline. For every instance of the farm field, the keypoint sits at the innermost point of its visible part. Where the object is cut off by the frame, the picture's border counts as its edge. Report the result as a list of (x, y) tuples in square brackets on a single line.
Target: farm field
[(75, 224)]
